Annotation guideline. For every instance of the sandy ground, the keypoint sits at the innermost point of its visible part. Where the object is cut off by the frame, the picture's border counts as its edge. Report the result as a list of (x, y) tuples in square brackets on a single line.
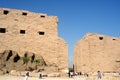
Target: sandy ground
[(8, 77)]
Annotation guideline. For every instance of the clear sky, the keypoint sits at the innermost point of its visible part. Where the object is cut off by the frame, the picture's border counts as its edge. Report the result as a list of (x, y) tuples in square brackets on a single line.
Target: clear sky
[(76, 17)]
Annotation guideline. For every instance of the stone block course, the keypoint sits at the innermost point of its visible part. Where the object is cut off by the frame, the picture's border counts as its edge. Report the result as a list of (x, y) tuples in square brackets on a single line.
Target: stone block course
[(23, 31), (97, 52)]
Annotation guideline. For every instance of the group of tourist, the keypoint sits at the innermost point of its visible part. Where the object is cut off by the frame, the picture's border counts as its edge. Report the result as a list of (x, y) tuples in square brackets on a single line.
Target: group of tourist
[(27, 75), (71, 74)]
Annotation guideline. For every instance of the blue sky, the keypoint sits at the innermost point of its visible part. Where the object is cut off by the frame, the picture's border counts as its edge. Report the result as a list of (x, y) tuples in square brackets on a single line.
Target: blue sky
[(76, 17)]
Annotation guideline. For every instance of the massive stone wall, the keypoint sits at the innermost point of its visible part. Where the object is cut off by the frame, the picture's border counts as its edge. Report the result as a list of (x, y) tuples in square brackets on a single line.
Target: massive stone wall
[(23, 31), (97, 52)]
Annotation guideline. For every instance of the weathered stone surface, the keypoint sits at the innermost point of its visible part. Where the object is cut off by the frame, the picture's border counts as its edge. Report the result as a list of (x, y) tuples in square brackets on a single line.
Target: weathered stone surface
[(23, 31), (97, 52), (11, 60)]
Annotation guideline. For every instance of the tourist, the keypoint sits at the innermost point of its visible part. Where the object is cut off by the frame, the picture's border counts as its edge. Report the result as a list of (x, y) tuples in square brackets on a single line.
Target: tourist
[(99, 75), (26, 76), (40, 74), (71, 74)]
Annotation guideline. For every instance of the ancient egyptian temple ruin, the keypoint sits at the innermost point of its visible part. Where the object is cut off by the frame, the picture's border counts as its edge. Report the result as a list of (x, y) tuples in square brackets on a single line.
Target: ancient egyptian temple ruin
[(32, 35), (95, 52)]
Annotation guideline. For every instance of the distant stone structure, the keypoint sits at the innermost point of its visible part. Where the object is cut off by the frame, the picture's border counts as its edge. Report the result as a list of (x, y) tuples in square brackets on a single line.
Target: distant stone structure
[(23, 32), (97, 52)]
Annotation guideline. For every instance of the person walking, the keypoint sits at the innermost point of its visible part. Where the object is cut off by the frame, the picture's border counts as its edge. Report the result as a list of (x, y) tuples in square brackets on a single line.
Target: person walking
[(99, 75), (40, 74), (69, 74), (26, 76)]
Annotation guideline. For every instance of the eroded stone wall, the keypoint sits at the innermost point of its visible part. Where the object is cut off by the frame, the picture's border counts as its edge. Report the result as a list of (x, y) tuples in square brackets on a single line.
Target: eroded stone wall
[(23, 31), (97, 52)]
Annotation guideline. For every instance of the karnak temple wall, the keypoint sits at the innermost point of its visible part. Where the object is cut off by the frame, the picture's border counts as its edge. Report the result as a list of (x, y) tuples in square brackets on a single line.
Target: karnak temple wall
[(26, 37), (95, 52), (33, 34)]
